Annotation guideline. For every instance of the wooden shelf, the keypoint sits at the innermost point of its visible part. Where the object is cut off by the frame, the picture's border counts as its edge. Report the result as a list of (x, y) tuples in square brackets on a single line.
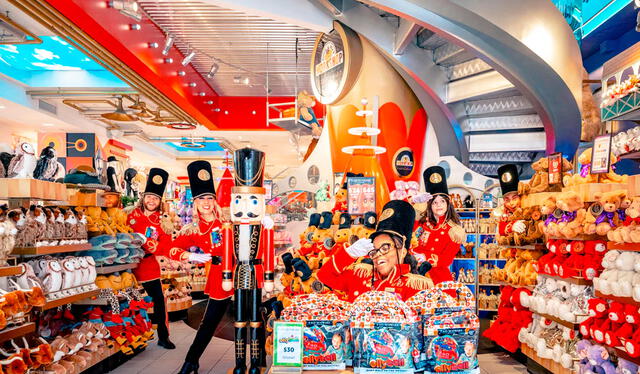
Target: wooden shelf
[(31, 189), (7, 271), (173, 276), (530, 287), (588, 191), (571, 325), (115, 268), (572, 280), (171, 308), (533, 247), (621, 353), (49, 250), (17, 331), (492, 259), (625, 300), (581, 237), (535, 199), (546, 363), (487, 310), (70, 299), (635, 247), (489, 284)]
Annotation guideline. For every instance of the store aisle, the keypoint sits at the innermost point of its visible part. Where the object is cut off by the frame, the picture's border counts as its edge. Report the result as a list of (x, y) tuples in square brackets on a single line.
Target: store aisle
[(216, 359)]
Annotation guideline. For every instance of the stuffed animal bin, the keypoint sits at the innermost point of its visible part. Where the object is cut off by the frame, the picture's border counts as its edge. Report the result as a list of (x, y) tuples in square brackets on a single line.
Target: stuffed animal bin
[(386, 334), (451, 342), (327, 339), (439, 301)]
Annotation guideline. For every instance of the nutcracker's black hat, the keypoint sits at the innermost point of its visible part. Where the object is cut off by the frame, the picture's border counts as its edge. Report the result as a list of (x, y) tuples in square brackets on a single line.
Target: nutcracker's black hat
[(508, 175), (201, 178), (435, 180), (397, 219), (156, 182)]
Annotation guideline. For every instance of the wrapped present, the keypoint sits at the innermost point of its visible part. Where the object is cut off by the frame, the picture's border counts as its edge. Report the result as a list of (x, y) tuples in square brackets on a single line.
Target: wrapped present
[(386, 334), (451, 343), (327, 343)]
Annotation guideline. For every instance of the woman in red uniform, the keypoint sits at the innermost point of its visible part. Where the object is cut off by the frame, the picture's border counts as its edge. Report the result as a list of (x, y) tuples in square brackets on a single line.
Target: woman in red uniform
[(392, 265), (145, 219), (205, 233), (438, 231)]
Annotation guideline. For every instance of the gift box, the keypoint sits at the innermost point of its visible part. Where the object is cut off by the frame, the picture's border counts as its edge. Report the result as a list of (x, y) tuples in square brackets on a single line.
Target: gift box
[(327, 343), (432, 306), (386, 334), (451, 343)]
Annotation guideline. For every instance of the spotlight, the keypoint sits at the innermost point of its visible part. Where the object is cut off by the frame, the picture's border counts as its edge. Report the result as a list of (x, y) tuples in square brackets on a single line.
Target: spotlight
[(181, 73), (167, 45), (135, 27), (202, 94), (168, 60), (153, 45), (192, 84), (129, 8), (245, 81), (213, 70), (209, 102), (188, 59)]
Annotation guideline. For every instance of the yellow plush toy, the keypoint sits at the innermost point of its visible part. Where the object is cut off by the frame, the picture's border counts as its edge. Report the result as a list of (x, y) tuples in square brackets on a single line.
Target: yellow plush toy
[(585, 160)]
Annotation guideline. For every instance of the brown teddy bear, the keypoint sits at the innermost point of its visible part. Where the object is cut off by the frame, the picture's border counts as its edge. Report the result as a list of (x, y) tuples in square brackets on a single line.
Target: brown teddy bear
[(518, 214), (534, 227), (540, 180), (609, 202), (585, 176), (570, 225), (629, 231)]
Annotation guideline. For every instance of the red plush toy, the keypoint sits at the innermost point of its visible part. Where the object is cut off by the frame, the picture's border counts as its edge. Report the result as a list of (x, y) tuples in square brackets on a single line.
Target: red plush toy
[(544, 263), (597, 315), (572, 265), (632, 346), (594, 250), (616, 320), (511, 318), (631, 320)]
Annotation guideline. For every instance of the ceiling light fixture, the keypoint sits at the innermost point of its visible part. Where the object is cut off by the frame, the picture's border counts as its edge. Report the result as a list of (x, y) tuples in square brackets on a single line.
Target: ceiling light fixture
[(188, 59), (135, 27), (202, 94), (181, 126), (119, 114), (129, 8), (153, 45), (193, 84), (245, 81), (209, 102), (213, 70), (181, 73), (168, 43), (191, 143), (168, 60)]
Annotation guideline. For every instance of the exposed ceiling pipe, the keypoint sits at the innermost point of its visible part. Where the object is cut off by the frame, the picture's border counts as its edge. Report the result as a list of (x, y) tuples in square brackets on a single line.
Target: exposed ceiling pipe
[(67, 93)]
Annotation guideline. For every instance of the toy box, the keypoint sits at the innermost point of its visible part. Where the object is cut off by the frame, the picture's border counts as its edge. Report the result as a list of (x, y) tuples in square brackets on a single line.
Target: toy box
[(327, 345), (386, 335), (451, 342)]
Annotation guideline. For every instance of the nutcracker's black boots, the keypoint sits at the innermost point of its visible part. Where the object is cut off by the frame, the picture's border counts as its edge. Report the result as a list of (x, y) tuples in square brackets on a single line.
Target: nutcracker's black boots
[(241, 348), (254, 347)]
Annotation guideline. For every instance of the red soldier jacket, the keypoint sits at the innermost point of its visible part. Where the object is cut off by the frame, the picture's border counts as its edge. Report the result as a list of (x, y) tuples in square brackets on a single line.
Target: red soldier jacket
[(350, 280), (158, 244), (208, 237), (265, 256), (437, 245)]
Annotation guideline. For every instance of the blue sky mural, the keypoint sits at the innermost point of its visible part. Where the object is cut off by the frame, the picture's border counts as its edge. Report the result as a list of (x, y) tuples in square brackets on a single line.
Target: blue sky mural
[(208, 147), (54, 63)]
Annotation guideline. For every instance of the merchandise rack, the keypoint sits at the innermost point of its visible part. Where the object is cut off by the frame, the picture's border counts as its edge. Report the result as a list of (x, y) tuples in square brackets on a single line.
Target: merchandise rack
[(573, 280), (49, 250), (7, 271), (115, 268), (69, 299), (17, 331), (625, 300), (546, 363), (635, 247)]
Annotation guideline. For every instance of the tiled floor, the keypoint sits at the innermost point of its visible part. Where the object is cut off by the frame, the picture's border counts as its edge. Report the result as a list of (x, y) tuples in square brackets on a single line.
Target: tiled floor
[(219, 357)]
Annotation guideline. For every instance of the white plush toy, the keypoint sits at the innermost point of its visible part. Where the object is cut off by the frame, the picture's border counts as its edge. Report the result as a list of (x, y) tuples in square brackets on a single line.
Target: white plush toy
[(622, 287), (609, 275), (24, 162)]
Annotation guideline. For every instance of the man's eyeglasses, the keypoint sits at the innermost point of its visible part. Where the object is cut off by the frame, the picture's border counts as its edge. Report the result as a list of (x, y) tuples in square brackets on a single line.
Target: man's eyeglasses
[(383, 250)]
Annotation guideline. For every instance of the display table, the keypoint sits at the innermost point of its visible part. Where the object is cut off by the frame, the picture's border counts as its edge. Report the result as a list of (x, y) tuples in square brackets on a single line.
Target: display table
[(346, 371)]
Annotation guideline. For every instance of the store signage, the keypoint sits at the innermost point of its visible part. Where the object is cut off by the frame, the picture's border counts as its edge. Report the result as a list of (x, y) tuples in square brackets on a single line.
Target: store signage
[(403, 163), (287, 344), (335, 64), (361, 195), (600, 154), (555, 168)]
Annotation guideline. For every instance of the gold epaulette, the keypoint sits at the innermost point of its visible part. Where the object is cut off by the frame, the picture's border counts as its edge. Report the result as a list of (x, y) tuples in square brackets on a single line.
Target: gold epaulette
[(190, 229), (418, 282), (363, 270)]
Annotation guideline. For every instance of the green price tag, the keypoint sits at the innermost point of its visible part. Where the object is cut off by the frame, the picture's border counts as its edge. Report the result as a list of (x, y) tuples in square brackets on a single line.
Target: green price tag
[(287, 344)]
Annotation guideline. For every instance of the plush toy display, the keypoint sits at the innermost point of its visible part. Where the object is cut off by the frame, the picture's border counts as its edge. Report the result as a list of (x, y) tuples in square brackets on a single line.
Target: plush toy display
[(550, 340), (540, 180), (597, 360), (629, 231), (585, 175), (23, 162), (511, 318)]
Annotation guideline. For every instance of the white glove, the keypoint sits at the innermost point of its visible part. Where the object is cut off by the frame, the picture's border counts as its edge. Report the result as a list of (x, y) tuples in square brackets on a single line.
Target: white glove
[(519, 227), (267, 222), (360, 248), (268, 286), (199, 258), (227, 285), (421, 198)]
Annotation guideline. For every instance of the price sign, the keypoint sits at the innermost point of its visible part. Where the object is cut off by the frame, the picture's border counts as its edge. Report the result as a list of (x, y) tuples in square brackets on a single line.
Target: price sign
[(555, 168), (287, 344), (600, 154)]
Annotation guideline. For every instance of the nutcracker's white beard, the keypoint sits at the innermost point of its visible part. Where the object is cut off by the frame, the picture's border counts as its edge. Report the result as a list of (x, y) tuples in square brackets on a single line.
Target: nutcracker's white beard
[(244, 243)]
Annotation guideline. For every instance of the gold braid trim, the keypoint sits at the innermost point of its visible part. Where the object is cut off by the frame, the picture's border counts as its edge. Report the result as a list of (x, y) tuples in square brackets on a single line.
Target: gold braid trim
[(456, 233), (418, 282), (363, 270)]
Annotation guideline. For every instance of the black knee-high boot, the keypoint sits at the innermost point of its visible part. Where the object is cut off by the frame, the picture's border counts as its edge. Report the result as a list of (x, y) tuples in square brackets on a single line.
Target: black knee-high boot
[(241, 348), (254, 331)]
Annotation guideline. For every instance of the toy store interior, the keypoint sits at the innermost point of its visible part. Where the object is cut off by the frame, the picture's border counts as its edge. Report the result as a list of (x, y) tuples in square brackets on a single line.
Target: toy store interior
[(319, 186)]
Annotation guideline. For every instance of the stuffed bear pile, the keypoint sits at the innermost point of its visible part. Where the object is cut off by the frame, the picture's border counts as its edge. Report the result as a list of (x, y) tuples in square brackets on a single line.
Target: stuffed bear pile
[(557, 298), (585, 176), (594, 358), (540, 180), (520, 269), (573, 258), (550, 340), (628, 229), (626, 141), (512, 317), (614, 324), (621, 275)]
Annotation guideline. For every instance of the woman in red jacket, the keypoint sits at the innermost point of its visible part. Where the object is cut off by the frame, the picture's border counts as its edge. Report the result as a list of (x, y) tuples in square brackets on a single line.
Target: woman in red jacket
[(438, 231), (145, 219), (392, 265), (205, 233)]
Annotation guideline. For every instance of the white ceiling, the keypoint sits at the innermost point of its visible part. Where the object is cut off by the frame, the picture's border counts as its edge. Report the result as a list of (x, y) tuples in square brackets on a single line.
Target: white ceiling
[(243, 45)]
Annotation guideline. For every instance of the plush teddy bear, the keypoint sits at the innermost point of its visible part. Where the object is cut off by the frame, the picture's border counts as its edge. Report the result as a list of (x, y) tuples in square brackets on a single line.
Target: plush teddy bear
[(598, 361), (598, 314), (607, 219), (570, 224), (629, 230), (616, 322), (623, 285), (585, 175)]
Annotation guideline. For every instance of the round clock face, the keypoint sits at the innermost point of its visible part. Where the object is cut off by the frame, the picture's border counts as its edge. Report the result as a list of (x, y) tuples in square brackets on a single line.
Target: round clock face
[(313, 174), (292, 182)]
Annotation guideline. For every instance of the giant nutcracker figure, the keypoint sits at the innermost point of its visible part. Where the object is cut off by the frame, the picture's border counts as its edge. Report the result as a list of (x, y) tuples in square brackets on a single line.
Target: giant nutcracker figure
[(509, 213), (248, 262)]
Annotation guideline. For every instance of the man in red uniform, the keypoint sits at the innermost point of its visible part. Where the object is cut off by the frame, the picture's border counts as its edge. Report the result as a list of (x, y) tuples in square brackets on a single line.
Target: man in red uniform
[(508, 175), (388, 252), (145, 219)]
